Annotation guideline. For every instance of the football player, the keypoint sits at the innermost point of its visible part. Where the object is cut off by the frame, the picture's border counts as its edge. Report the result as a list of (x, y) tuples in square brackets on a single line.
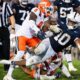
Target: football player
[(65, 7), (40, 23), (21, 10), (26, 36)]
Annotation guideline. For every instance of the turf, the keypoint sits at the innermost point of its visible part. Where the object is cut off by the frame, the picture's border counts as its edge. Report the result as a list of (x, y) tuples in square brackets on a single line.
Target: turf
[(18, 74)]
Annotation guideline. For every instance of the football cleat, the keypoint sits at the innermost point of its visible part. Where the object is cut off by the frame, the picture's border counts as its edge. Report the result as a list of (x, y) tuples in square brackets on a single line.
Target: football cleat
[(7, 77), (72, 69), (5, 62)]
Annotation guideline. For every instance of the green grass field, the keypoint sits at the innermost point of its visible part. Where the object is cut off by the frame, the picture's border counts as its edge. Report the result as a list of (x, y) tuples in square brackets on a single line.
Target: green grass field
[(20, 75)]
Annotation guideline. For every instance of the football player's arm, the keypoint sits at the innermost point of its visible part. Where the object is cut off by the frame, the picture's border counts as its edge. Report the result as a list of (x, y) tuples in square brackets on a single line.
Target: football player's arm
[(11, 17), (12, 20), (38, 32), (78, 9), (14, 8), (77, 42), (55, 8)]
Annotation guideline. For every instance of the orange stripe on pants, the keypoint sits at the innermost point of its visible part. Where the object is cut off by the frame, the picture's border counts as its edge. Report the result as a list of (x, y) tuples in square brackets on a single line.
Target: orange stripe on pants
[(23, 42)]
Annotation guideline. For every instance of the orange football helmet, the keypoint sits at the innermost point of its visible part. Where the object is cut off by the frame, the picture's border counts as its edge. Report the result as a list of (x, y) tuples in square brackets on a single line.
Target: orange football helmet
[(45, 7)]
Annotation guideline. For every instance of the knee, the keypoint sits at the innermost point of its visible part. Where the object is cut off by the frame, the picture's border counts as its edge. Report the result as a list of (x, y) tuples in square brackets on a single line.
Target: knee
[(40, 49)]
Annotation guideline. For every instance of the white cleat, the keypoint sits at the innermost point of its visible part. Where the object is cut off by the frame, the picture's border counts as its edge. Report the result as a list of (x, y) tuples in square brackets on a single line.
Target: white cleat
[(72, 69), (45, 77), (7, 77), (5, 62)]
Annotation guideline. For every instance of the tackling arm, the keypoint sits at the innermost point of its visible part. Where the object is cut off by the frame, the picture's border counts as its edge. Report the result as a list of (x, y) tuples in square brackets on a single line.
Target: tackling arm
[(77, 42)]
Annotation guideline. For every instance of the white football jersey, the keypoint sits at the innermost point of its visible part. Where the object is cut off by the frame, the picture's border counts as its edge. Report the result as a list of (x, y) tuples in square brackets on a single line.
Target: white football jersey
[(28, 28)]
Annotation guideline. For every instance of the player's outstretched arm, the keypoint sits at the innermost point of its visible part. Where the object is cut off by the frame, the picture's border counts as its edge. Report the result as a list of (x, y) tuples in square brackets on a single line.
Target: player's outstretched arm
[(77, 41)]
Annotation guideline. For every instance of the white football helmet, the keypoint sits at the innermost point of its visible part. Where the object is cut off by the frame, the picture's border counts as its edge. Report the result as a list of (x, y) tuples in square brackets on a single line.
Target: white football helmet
[(23, 2), (74, 16), (67, 1)]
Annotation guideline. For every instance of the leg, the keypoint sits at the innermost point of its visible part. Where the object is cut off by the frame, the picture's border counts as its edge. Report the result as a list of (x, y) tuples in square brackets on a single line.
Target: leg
[(20, 53), (43, 52), (69, 59), (20, 63), (6, 46)]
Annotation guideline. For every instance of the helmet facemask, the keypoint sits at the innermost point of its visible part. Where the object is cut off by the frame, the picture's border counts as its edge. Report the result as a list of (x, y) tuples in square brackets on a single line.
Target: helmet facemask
[(67, 1)]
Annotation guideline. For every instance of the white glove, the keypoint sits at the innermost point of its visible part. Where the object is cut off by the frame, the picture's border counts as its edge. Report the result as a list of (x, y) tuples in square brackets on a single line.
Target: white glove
[(55, 28)]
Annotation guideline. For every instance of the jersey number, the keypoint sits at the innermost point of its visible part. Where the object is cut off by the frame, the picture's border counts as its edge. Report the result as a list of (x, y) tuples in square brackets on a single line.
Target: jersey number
[(63, 11), (23, 14), (62, 39)]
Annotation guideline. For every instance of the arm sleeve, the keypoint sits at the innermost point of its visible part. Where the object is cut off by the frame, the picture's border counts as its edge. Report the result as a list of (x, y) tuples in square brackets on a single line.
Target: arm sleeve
[(34, 27), (36, 31)]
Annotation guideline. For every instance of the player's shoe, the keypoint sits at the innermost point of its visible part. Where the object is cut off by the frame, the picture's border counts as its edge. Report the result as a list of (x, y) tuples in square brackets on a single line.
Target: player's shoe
[(71, 68), (5, 62), (45, 77), (7, 77)]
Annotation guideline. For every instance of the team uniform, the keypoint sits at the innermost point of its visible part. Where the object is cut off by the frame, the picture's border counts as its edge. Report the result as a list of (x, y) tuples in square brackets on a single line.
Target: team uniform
[(27, 30), (64, 9), (21, 13), (25, 37)]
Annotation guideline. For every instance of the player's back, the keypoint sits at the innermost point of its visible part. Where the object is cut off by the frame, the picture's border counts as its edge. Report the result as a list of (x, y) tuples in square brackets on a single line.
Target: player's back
[(63, 10), (21, 12)]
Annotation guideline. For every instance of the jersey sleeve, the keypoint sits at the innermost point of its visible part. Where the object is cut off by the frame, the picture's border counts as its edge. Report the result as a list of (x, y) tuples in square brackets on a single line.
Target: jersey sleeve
[(75, 33), (34, 27), (14, 8)]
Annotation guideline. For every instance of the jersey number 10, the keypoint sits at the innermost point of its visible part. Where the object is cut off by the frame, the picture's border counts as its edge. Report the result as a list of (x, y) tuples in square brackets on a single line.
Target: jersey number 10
[(62, 39)]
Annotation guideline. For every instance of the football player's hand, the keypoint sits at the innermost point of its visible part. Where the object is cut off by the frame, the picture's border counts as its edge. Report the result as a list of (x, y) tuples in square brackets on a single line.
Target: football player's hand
[(55, 28)]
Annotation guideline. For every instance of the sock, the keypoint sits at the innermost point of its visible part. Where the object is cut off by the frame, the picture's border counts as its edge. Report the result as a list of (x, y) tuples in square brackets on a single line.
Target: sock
[(37, 74), (28, 55), (11, 68), (69, 60), (65, 71), (68, 57), (70, 65), (18, 55), (16, 58)]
